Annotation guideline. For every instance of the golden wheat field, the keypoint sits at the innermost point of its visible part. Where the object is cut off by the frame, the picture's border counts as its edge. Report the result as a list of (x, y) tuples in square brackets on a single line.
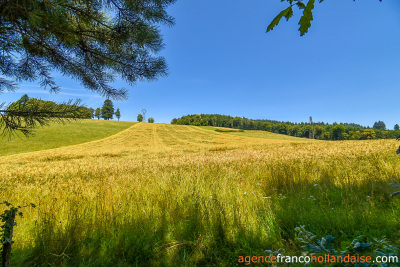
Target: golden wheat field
[(169, 195)]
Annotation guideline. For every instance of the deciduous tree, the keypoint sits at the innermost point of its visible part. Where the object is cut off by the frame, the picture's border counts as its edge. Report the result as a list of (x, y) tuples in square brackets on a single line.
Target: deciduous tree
[(338, 132), (379, 125)]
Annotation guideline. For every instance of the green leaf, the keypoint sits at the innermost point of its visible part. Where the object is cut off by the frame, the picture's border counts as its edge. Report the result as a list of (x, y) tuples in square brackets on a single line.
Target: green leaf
[(305, 20), (287, 13), (301, 5)]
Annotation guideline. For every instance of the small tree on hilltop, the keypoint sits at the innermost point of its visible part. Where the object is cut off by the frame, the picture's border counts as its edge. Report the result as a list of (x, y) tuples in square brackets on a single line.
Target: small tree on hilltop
[(139, 117), (396, 127), (118, 114), (150, 120), (97, 113), (107, 110)]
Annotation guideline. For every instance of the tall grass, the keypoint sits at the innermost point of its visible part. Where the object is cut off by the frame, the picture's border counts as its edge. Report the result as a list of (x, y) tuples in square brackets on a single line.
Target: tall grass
[(162, 195)]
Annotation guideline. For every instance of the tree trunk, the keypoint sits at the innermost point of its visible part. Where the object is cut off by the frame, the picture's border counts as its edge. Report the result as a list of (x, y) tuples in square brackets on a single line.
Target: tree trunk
[(6, 257)]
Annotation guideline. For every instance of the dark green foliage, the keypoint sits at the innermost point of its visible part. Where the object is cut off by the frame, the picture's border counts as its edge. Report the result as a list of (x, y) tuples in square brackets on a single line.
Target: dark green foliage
[(360, 246), (379, 125), (225, 131), (151, 120), (139, 117), (92, 41), (338, 132), (322, 131), (107, 111), (118, 114), (396, 127), (287, 13), (97, 113), (7, 228), (305, 19), (26, 113)]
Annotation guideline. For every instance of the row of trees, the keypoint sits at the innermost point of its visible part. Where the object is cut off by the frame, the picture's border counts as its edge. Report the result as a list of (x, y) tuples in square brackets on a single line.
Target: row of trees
[(320, 130), (107, 111), (140, 118)]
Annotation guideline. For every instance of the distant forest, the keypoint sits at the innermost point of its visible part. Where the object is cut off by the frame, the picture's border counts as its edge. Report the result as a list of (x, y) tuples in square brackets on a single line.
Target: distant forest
[(320, 130)]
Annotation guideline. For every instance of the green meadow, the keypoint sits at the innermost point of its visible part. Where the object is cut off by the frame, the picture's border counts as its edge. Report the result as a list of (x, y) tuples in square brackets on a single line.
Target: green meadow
[(59, 135)]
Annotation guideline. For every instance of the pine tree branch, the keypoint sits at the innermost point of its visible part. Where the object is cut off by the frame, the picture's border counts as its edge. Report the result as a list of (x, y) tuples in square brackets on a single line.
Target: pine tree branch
[(27, 114)]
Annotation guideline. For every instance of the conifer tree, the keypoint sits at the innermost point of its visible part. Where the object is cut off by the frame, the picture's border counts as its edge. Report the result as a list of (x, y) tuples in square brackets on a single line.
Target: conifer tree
[(107, 111), (118, 114), (97, 113), (92, 41)]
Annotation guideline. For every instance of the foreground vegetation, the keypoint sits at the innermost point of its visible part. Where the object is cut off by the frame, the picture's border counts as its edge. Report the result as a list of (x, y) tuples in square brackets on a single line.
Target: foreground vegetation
[(59, 135), (180, 195)]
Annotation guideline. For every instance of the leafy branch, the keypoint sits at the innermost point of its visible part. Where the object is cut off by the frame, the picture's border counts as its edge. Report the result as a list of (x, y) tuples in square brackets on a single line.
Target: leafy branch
[(6, 229), (305, 19)]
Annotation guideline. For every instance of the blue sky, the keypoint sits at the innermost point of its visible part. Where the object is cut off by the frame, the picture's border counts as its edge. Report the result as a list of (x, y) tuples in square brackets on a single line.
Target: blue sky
[(346, 69)]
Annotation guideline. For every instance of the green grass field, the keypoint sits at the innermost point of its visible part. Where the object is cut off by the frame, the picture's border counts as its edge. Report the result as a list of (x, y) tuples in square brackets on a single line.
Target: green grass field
[(172, 195), (59, 135)]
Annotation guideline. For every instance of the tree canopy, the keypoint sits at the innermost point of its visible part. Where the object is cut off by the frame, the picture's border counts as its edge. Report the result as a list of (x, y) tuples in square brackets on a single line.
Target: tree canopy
[(380, 125), (97, 113), (321, 130), (305, 19), (107, 111), (118, 114), (91, 41)]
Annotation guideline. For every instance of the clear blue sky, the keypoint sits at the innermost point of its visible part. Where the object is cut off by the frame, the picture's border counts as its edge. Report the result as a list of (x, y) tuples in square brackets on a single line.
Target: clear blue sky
[(346, 69)]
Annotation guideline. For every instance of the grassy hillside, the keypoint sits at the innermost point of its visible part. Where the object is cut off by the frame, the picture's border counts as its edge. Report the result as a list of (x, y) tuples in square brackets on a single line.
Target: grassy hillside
[(58, 135), (169, 195), (257, 134)]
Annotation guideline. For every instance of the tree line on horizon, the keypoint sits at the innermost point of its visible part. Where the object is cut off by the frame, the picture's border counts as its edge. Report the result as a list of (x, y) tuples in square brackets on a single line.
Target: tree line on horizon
[(320, 130), (107, 111)]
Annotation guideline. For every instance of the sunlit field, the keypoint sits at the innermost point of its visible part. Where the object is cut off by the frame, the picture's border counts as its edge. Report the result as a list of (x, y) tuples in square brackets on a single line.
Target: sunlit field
[(258, 134), (59, 135), (168, 195)]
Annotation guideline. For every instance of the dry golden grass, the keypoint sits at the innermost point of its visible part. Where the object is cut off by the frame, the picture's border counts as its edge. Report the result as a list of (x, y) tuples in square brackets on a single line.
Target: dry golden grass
[(179, 195)]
